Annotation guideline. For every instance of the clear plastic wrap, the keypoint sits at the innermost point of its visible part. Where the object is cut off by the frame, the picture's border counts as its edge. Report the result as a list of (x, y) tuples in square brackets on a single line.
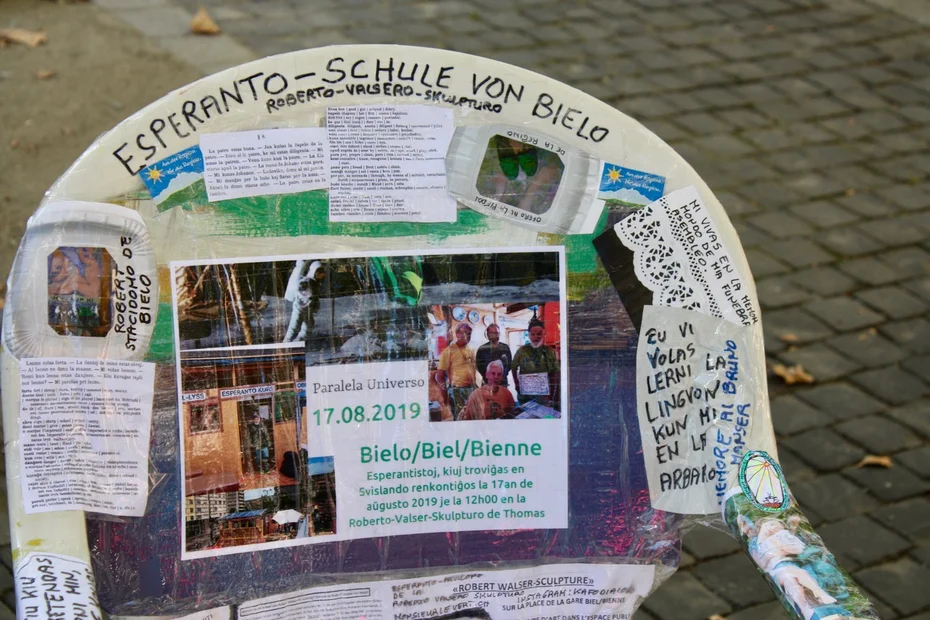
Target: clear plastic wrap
[(424, 335)]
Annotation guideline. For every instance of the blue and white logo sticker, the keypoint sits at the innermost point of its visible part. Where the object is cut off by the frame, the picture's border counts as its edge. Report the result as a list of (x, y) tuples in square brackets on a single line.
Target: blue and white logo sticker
[(173, 173)]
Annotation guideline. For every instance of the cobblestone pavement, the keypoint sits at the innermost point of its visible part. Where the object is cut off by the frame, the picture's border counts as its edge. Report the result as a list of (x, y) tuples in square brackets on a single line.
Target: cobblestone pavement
[(810, 121)]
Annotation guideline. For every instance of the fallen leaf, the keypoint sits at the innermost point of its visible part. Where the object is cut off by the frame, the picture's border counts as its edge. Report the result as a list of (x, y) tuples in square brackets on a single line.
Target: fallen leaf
[(716, 617), (14, 143), (789, 337), (202, 23), (850, 192), (770, 28), (67, 131), (792, 374), (29, 38), (871, 460), (45, 74)]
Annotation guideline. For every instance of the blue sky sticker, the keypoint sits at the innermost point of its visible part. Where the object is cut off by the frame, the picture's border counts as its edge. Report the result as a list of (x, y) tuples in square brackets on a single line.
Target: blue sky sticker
[(173, 173), (633, 186)]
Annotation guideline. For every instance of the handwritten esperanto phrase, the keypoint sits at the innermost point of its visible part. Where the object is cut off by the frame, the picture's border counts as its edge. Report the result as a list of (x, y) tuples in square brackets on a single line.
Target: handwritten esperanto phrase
[(695, 397)]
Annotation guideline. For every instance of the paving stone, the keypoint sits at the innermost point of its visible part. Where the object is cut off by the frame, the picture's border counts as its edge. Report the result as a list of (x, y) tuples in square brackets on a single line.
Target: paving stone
[(895, 581), (736, 579), (884, 611), (666, 602), (867, 204), (833, 497), (915, 415), (911, 518), (766, 611), (780, 224), (868, 348), (791, 416), (859, 541), (889, 485), (824, 214), (908, 262), (824, 449), (918, 366), (910, 197), (821, 361), (920, 287), (701, 123), (894, 231), (723, 145), (796, 324), (799, 252), (705, 542), (849, 241), (824, 280), (686, 560), (913, 334), (841, 401), (891, 384), (843, 313), (879, 435), (762, 265), (779, 291), (870, 271), (893, 302), (917, 460), (795, 470), (642, 614)]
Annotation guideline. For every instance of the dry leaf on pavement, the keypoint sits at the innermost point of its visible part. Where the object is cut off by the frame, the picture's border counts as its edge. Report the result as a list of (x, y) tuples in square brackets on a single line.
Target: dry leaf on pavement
[(789, 337), (871, 460), (792, 374), (202, 23), (30, 38), (716, 617), (45, 74)]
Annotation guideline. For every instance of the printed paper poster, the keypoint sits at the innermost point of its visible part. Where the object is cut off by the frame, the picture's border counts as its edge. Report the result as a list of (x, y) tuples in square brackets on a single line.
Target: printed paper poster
[(388, 163), (556, 591), (335, 397), (84, 429), (697, 391)]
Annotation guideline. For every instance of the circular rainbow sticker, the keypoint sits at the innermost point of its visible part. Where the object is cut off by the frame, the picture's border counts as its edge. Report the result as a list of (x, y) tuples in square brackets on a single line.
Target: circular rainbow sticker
[(763, 483)]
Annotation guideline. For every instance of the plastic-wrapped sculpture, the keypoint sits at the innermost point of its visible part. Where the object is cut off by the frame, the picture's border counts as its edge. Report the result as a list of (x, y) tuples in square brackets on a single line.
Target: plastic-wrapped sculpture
[(386, 332)]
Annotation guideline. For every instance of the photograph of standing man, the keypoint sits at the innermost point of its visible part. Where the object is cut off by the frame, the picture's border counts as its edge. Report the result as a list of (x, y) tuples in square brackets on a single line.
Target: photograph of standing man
[(536, 369), (303, 292), (259, 441), (456, 371), (493, 351)]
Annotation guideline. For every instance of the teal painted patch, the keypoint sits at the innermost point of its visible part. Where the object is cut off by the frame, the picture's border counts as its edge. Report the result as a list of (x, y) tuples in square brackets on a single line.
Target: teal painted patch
[(763, 483)]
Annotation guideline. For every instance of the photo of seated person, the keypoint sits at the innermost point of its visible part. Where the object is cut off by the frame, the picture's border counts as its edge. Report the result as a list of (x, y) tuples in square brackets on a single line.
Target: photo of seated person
[(491, 401)]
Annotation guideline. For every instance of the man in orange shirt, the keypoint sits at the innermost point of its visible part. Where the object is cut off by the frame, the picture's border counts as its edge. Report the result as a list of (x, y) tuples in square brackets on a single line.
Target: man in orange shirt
[(457, 365), (491, 401)]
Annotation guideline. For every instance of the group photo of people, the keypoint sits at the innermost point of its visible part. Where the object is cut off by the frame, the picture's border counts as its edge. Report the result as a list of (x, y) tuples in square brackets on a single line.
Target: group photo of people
[(493, 361)]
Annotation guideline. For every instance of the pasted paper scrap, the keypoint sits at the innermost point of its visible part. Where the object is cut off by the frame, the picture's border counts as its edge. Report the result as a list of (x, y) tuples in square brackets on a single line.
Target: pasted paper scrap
[(696, 392), (84, 429)]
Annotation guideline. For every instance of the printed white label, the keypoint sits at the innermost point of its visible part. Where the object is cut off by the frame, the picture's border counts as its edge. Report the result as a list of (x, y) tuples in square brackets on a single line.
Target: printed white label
[(49, 585), (388, 163), (554, 592), (535, 384), (398, 474), (696, 389), (259, 163), (219, 613), (682, 259), (84, 434)]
